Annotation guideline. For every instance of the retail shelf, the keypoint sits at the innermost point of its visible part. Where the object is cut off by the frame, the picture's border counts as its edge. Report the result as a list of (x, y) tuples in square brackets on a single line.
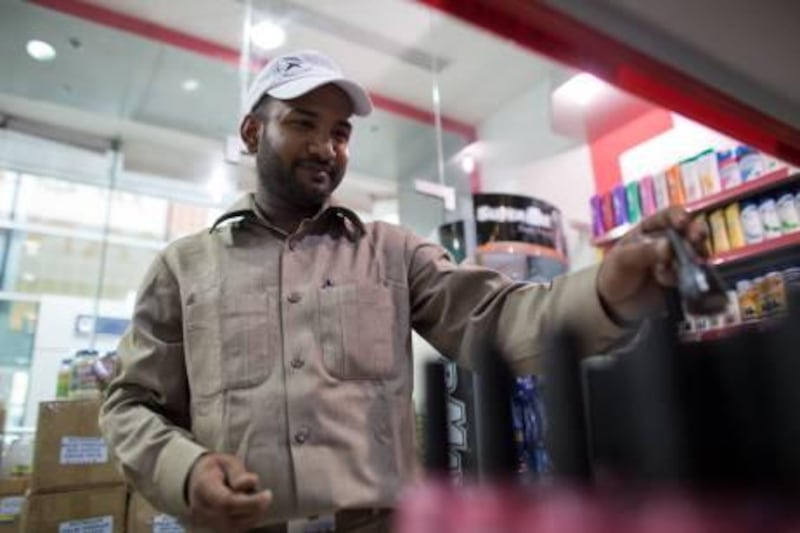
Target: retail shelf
[(753, 250), (731, 331), (774, 179), (769, 181)]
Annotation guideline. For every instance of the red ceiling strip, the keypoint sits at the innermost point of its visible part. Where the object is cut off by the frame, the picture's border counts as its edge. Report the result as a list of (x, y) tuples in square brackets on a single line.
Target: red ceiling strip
[(559, 36), (164, 34)]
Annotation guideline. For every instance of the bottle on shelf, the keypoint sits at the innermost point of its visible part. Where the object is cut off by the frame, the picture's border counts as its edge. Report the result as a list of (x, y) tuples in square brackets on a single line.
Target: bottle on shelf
[(83, 384), (64, 379)]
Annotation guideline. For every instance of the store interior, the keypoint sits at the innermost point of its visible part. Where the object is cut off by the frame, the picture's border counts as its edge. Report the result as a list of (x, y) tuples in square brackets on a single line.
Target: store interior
[(119, 121)]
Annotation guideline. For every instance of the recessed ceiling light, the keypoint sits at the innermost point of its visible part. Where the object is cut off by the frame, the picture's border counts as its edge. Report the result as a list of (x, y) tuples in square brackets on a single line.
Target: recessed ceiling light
[(40, 50), (267, 35), (582, 88), (190, 85)]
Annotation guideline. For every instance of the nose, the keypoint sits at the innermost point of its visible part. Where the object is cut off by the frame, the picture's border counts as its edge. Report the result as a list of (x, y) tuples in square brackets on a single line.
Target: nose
[(322, 147)]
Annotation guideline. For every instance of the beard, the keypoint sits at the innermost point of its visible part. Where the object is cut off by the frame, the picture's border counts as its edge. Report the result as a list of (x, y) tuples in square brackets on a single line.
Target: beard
[(307, 184)]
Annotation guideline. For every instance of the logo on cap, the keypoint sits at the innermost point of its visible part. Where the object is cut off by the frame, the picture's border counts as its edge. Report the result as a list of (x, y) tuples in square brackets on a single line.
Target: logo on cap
[(291, 66)]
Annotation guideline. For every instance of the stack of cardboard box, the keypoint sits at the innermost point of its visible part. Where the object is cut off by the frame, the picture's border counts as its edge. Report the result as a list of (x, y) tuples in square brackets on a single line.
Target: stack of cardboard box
[(143, 518), (12, 490), (75, 486)]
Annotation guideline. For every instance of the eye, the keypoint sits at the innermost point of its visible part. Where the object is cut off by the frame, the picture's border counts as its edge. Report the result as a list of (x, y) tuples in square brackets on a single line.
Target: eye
[(341, 135), (303, 123)]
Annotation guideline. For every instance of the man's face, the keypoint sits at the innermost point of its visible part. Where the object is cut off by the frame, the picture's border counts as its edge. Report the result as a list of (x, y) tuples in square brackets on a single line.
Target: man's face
[(303, 146)]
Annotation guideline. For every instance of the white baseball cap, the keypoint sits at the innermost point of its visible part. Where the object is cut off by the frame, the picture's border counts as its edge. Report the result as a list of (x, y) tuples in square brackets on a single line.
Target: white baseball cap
[(295, 74)]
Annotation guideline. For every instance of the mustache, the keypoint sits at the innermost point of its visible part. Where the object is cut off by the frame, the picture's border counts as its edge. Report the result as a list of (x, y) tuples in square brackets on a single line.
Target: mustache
[(316, 164)]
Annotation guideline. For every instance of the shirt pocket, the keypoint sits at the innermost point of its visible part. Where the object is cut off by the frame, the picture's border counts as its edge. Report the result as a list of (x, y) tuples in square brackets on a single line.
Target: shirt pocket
[(360, 329), (230, 342)]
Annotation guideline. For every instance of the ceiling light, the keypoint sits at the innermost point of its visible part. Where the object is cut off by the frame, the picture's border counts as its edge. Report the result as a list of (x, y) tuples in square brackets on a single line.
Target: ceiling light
[(190, 85), (267, 35), (468, 164), (581, 88), (40, 50)]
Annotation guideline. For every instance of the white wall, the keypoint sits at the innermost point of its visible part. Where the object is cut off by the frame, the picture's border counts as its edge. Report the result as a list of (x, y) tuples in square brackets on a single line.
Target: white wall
[(56, 340), (686, 139), (522, 155)]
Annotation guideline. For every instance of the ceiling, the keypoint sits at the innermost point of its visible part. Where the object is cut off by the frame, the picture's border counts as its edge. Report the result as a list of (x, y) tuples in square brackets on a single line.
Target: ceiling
[(124, 83), (744, 48)]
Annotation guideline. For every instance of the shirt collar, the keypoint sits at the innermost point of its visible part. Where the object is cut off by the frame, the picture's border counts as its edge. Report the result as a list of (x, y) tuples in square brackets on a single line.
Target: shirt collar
[(330, 212)]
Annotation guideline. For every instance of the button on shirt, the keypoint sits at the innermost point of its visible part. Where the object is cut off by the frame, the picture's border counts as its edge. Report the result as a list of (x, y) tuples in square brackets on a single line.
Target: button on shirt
[(299, 360)]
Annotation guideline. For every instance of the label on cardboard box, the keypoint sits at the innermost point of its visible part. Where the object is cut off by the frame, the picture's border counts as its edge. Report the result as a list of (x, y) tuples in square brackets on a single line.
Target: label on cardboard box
[(164, 523), (100, 524), (10, 507), (83, 450)]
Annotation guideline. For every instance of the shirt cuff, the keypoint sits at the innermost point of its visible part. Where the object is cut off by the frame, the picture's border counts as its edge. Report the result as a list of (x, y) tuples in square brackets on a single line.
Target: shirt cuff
[(172, 469), (588, 315)]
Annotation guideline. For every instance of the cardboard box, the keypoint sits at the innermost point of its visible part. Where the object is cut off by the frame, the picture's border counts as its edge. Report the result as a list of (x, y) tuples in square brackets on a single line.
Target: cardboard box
[(69, 453), (98, 510), (12, 498), (144, 518)]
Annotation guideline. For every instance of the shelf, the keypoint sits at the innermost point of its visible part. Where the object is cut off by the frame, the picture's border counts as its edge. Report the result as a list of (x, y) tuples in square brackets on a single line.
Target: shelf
[(765, 324), (774, 179), (747, 252), (777, 178)]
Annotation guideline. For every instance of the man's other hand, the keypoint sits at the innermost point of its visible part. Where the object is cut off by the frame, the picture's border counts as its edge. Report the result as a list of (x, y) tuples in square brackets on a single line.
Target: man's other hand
[(636, 269), (224, 496)]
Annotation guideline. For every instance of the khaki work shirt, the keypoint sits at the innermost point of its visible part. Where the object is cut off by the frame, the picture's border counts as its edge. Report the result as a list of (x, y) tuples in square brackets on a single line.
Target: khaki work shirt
[(293, 352)]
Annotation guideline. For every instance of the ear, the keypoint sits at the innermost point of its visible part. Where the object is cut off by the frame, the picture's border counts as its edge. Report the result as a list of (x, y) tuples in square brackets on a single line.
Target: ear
[(249, 132)]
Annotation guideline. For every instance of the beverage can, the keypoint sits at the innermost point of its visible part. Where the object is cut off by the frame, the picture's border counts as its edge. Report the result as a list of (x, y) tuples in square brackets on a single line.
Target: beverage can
[(768, 210)]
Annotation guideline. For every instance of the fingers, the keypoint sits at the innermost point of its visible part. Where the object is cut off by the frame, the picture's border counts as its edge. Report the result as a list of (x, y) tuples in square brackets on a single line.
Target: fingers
[(237, 476), (223, 494), (673, 217)]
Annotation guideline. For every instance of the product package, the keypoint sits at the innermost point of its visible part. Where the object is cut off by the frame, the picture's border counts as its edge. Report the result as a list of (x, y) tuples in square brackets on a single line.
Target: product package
[(749, 300), (751, 223), (750, 164), (733, 220), (690, 178), (69, 452), (675, 186), (98, 510), (719, 232), (729, 173), (144, 518), (768, 210), (633, 201), (596, 203), (647, 194), (787, 212), (12, 499), (620, 204), (708, 173), (608, 211), (661, 190)]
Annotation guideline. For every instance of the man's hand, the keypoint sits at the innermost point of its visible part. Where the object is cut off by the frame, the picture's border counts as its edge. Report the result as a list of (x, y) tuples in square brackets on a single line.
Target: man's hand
[(224, 496), (635, 270)]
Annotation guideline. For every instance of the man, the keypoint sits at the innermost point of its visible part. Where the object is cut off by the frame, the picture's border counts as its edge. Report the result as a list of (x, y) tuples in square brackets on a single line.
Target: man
[(267, 374)]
